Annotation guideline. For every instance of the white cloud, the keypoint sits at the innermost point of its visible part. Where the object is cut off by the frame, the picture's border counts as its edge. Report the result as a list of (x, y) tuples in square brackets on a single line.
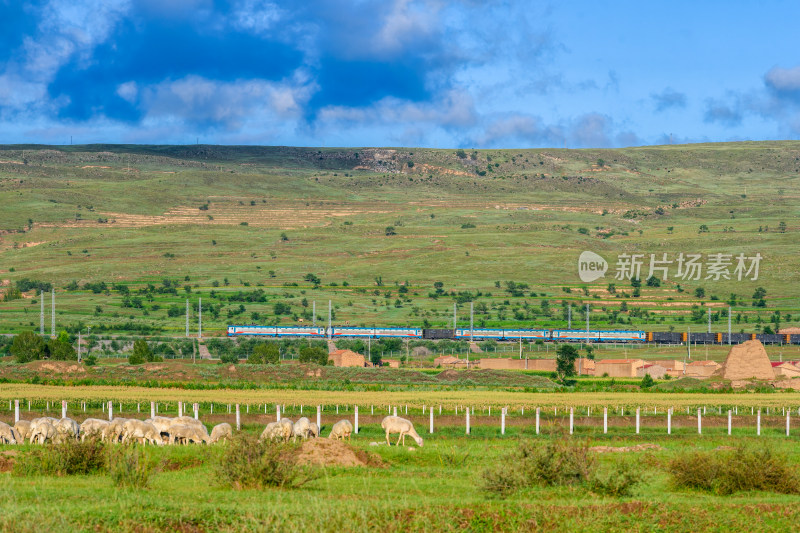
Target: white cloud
[(783, 79), (257, 16)]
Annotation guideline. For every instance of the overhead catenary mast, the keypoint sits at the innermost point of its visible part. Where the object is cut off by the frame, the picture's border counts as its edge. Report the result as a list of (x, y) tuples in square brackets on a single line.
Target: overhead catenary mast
[(53, 314), (41, 316), (199, 318)]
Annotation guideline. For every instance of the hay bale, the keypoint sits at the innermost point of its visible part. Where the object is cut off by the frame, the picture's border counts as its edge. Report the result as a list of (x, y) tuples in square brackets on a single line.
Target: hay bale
[(748, 360)]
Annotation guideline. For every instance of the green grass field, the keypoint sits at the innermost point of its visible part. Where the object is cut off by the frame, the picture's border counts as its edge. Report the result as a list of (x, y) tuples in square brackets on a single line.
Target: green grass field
[(436, 487), (174, 217)]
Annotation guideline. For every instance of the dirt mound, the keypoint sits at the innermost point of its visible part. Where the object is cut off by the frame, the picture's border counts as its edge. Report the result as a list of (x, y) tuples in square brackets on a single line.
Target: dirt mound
[(638, 448), (748, 360), (449, 375), (7, 460), (58, 367), (789, 331), (326, 452)]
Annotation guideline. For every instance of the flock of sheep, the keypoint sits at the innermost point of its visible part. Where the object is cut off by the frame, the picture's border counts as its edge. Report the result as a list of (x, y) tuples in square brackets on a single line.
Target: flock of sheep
[(162, 430)]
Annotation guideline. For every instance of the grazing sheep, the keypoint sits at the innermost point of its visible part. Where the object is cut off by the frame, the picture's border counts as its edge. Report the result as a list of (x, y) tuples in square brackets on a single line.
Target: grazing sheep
[(341, 430), (142, 432), (278, 430), (93, 427), (23, 427), (7, 434), (301, 429), (161, 424), (222, 431), (313, 430), (67, 429), (192, 423), (113, 432), (395, 424), (186, 434), (44, 431), (41, 420)]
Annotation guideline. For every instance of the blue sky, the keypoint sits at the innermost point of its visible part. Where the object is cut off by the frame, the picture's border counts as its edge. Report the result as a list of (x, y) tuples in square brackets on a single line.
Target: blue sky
[(398, 72)]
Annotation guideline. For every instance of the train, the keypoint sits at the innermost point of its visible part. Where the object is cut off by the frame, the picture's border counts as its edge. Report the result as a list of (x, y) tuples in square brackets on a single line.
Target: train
[(482, 334)]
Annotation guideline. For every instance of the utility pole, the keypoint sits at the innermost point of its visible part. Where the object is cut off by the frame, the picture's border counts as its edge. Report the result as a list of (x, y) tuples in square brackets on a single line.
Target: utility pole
[(689, 342), (709, 320), (79, 346), (454, 317), (587, 323), (41, 316), (53, 314), (314, 313), (199, 318), (471, 320), (729, 325), (330, 327), (569, 316), (187, 317)]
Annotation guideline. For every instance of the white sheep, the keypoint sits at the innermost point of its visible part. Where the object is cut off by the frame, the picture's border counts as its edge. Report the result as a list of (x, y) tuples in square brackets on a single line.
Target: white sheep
[(341, 430), (44, 431), (8, 435), (67, 429), (161, 423), (395, 424), (113, 431), (222, 431), (142, 432), (93, 427), (186, 434), (23, 427), (278, 430), (301, 428), (313, 430), (192, 423)]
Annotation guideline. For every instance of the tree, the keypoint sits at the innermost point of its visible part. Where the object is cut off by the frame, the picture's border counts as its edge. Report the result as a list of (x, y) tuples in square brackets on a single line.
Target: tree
[(313, 354), (566, 355), (61, 349), (700, 292), (376, 358), (313, 279), (647, 382), (653, 281), (27, 347), (265, 353), (141, 353), (590, 353), (782, 227), (390, 231)]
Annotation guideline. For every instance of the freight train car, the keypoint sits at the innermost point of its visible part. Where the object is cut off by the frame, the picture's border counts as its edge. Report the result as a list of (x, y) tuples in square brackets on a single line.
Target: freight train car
[(703, 338), (664, 337), (770, 338)]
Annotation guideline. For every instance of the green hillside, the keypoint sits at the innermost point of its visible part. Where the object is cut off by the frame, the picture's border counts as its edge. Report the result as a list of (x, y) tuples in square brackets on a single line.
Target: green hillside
[(243, 227)]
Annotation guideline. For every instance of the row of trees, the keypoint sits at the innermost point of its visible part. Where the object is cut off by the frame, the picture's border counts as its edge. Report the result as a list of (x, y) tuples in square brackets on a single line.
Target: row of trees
[(28, 346)]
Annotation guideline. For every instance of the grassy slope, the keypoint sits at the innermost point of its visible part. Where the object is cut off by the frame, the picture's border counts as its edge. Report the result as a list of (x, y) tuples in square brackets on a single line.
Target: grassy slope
[(151, 194)]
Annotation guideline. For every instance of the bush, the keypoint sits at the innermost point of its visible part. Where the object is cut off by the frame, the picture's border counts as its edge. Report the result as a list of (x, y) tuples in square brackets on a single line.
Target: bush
[(741, 469), (229, 358), (558, 462), (64, 459), (90, 360), (313, 354), (265, 353), (129, 467), (249, 463), (619, 480), (27, 347)]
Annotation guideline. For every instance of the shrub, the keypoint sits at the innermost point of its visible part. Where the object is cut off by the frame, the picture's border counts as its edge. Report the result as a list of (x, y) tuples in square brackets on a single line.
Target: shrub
[(67, 458), (229, 358), (265, 353), (558, 462), (741, 469), (129, 467), (250, 463), (90, 360), (619, 480), (27, 347)]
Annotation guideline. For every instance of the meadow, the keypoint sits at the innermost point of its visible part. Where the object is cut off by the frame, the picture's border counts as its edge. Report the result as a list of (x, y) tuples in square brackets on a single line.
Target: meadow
[(127, 234), (437, 487)]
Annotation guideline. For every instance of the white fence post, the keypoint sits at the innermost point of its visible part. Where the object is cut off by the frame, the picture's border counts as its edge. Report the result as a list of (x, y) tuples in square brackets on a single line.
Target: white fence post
[(63, 408), (503, 421), (238, 418), (467, 421), (196, 411), (571, 419), (637, 420), (319, 417), (699, 422), (430, 412), (111, 410), (758, 423), (180, 409), (787, 423), (730, 423), (605, 420), (395, 411), (537, 420), (16, 411), (669, 421), (152, 409), (277, 413), (355, 415)]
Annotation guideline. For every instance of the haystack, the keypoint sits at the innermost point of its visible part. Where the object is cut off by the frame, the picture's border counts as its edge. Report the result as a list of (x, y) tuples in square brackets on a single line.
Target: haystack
[(748, 360)]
